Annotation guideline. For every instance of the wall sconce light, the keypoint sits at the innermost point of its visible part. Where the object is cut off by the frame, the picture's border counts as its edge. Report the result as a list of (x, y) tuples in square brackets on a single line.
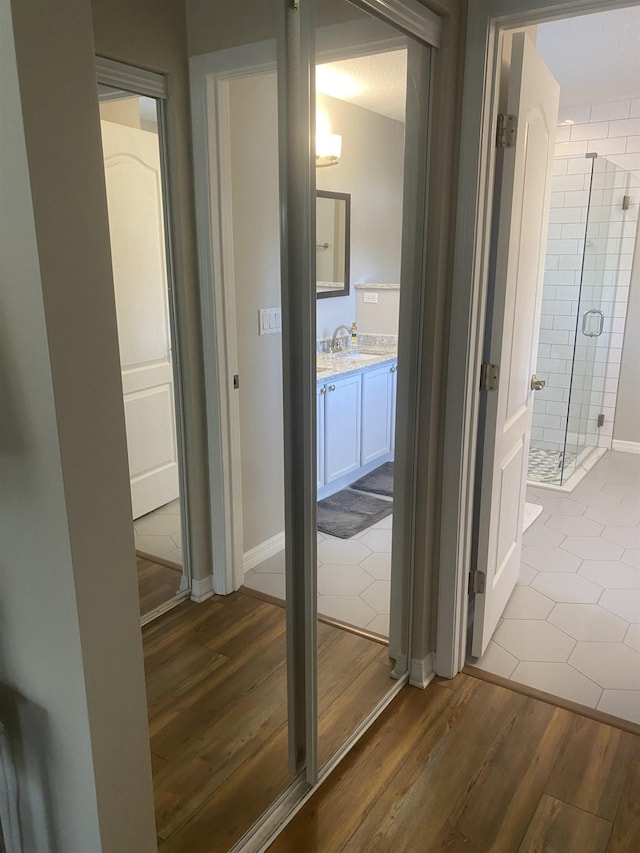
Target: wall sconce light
[(328, 149)]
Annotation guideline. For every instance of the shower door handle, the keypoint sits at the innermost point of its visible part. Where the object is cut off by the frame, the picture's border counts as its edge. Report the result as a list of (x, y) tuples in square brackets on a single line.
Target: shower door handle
[(537, 384), (585, 319)]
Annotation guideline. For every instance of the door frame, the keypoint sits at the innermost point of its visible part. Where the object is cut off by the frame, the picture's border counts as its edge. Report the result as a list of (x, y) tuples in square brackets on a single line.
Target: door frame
[(486, 25), (139, 81), (210, 75)]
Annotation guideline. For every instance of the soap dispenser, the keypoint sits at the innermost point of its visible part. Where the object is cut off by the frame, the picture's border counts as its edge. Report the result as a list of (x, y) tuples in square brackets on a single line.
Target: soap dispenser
[(354, 335)]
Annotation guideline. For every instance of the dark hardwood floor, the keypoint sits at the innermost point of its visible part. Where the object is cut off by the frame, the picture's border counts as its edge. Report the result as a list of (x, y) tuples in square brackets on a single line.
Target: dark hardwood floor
[(157, 583), (216, 690), (468, 765)]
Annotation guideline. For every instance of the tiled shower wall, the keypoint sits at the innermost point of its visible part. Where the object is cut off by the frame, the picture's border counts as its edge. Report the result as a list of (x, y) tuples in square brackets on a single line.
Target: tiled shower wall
[(612, 131)]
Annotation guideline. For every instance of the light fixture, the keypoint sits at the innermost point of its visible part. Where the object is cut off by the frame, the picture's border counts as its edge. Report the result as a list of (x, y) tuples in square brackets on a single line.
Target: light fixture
[(328, 149)]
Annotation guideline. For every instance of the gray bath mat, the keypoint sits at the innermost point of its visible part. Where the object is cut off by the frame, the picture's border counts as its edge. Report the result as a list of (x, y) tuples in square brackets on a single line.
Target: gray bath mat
[(379, 481), (347, 513)]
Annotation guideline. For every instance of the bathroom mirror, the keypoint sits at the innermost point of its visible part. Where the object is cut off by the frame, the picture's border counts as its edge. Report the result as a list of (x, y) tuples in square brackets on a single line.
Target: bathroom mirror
[(333, 216)]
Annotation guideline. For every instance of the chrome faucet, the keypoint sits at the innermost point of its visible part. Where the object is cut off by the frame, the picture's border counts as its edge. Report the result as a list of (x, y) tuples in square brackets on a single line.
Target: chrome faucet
[(350, 330)]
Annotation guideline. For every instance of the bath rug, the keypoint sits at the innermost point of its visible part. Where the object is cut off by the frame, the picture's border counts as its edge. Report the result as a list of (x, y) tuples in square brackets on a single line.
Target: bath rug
[(531, 512), (379, 481), (348, 513)]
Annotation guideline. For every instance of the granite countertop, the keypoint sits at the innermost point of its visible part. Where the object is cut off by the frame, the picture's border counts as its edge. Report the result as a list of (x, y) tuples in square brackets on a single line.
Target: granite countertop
[(335, 366)]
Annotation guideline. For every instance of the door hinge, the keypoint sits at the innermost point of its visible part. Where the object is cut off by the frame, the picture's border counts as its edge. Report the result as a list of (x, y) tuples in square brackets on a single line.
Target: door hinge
[(477, 582), (506, 130), (236, 381), (489, 376)]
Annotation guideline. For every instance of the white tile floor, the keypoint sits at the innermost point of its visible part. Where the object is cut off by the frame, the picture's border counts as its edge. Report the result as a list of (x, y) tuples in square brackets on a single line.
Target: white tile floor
[(354, 577), (572, 625), (159, 533)]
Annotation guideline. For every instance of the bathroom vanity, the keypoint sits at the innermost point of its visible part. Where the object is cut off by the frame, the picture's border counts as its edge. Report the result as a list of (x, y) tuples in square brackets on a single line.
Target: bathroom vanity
[(356, 408)]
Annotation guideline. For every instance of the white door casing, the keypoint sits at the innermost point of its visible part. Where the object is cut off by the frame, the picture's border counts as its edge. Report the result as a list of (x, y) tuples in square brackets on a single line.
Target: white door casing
[(136, 225), (522, 231)]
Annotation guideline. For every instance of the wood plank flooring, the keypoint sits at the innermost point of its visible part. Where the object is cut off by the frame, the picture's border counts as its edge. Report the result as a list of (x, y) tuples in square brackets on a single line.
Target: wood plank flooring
[(216, 692), (157, 584), (468, 765)]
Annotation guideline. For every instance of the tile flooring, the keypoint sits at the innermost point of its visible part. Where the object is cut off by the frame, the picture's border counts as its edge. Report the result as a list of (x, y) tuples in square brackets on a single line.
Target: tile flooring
[(159, 533), (354, 577), (572, 624)]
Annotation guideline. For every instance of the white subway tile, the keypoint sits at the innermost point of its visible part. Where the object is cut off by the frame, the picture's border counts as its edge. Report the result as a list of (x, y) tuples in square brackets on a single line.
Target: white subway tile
[(579, 198), (570, 149), (554, 231), (563, 247), (567, 214), (559, 165), (610, 112), (578, 166), (553, 435), (574, 115), (561, 351), (573, 230), (569, 262), (593, 130), (615, 145), (633, 146), (625, 127)]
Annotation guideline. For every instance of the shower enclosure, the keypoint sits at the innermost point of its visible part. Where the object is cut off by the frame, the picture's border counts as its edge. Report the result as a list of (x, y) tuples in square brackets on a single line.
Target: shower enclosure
[(592, 227)]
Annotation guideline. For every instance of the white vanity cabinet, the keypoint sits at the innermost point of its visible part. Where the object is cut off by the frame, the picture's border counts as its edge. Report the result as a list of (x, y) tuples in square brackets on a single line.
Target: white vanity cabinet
[(342, 419), (377, 394), (321, 391)]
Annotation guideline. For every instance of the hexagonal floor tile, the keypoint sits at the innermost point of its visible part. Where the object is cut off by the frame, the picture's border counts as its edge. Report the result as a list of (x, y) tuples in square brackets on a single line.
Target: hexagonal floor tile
[(632, 557), (172, 508), (555, 505), (157, 546), (378, 596), (533, 639), (559, 679), (380, 625), (527, 574), (611, 665), (347, 608), (616, 516), (622, 490), (544, 559), (626, 537), (610, 474), (621, 703), (526, 603), (540, 534), (574, 525), (497, 660), (342, 579), (157, 524), (338, 551), (174, 556), (377, 540), (588, 622), (568, 588), (611, 574), (378, 565), (268, 583), (625, 603), (593, 494), (633, 637), (592, 548)]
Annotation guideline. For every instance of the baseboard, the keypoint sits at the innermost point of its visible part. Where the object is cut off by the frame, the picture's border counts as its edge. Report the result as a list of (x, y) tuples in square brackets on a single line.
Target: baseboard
[(625, 446), (254, 556), (202, 589), (421, 671)]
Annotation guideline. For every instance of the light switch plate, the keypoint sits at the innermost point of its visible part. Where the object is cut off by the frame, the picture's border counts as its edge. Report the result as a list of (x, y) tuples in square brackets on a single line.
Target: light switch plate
[(370, 297), (269, 321)]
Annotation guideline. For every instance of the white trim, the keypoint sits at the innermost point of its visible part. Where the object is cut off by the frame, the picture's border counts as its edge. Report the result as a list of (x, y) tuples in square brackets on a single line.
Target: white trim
[(201, 589), (269, 548), (468, 305), (139, 81), (421, 672), (625, 446), (409, 15)]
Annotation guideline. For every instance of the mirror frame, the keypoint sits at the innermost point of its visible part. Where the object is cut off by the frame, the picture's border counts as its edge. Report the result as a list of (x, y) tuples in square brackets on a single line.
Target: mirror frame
[(346, 197)]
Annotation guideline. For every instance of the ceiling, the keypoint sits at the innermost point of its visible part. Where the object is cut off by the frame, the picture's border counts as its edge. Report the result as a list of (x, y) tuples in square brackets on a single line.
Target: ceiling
[(595, 59)]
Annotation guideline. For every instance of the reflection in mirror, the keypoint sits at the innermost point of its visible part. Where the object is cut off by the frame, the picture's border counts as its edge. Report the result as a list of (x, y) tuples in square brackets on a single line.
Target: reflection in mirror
[(333, 215)]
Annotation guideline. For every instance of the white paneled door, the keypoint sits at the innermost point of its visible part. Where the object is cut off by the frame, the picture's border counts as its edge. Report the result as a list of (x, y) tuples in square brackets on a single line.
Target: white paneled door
[(134, 195), (522, 233)]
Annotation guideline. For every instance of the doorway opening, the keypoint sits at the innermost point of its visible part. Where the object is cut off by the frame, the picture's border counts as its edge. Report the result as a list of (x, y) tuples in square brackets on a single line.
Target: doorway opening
[(569, 625), (133, 143)]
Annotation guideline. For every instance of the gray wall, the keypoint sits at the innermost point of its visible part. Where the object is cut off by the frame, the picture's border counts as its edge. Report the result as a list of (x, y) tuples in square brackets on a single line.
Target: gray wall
[(153, 35), (627, 421), (71, 674)]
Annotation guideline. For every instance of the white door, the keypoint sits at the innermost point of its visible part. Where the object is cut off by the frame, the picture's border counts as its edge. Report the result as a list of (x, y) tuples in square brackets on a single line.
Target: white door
[(136, 226), (342, 414), (522, 233), (377, 386)]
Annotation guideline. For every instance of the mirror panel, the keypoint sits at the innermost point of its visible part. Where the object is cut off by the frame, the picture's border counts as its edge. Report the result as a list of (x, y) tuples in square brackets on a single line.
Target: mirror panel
[(333, 221)]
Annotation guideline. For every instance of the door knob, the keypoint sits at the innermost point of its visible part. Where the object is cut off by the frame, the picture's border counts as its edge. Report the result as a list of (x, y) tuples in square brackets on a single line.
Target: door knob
[(537, 384)]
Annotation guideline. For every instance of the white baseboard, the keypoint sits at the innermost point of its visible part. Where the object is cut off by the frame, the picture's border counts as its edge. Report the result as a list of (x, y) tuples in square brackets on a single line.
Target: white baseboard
[(421, 671), (625, 446), (201, 589), (254, 556)]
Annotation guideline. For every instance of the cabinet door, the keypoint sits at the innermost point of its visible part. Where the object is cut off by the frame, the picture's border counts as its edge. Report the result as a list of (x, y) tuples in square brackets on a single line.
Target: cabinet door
[(392, 406), (342, 427), (320, 395), (376, 413)]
